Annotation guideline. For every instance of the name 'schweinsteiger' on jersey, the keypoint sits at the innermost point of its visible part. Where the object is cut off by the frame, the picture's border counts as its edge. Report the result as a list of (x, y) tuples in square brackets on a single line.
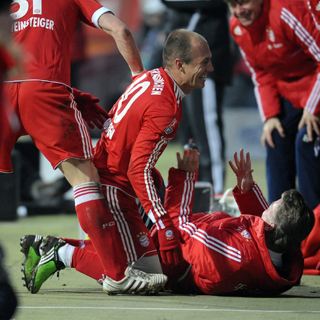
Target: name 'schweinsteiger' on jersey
[(33, 22)]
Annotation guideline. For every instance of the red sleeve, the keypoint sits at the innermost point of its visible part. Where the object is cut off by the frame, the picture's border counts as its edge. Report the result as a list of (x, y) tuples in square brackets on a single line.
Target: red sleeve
[(311, 5), (148, 147), (265, 90), (179, 194), (298, 26), (252, 202), (91, 11)]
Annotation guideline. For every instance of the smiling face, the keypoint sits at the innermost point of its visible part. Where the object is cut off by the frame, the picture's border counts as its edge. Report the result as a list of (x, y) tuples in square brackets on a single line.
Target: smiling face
[(246, 11), (195, 72)]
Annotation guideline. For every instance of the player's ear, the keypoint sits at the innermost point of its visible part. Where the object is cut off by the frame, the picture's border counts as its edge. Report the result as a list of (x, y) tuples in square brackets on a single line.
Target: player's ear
[(268, 226), (179, 65)]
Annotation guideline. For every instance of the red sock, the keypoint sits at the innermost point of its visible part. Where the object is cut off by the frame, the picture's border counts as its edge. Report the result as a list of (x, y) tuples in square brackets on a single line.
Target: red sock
[(97, 221), (88, 263), (80, 243)]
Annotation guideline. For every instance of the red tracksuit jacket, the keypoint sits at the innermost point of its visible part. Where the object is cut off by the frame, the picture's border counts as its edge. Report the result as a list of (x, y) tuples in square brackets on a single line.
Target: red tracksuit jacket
[(223, 254), (282, 51)]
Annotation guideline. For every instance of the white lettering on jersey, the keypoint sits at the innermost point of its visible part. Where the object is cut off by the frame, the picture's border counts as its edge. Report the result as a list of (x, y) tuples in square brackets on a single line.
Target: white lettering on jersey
[(138, 86), (24, 7), (108, 128), (158, 82), (33, 22)]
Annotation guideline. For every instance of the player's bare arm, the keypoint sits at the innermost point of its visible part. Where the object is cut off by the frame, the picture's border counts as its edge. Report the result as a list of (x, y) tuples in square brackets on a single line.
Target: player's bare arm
[(124, 40)]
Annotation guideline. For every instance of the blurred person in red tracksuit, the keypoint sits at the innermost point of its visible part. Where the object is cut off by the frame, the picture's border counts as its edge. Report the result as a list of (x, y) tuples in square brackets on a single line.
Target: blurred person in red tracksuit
[(280, 43)]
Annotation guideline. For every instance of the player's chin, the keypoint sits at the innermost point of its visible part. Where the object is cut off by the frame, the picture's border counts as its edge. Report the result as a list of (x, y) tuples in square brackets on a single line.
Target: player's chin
[(201, 82)]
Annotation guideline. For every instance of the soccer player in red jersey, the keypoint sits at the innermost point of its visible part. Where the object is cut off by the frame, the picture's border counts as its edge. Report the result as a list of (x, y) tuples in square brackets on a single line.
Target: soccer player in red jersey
[(46, 108)]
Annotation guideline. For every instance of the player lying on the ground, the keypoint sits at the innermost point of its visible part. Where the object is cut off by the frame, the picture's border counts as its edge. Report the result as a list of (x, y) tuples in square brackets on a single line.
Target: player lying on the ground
[(256, 253)]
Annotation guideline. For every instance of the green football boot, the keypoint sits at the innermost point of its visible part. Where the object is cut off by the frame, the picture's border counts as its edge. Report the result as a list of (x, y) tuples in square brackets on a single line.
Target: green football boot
[(48, 264), (30, 245)]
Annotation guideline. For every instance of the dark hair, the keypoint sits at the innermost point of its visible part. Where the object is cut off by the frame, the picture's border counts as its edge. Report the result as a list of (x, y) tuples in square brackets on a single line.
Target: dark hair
[(294, 220), (233, 2), (178, 46)]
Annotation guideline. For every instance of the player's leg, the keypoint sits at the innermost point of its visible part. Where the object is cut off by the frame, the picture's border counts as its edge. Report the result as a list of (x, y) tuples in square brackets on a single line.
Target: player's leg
[(203, 109), (60, 133), (281, 162), (140, 253), (308, 169)]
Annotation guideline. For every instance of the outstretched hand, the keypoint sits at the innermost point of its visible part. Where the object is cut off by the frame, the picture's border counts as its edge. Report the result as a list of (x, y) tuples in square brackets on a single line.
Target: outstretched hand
[(189, 161), (243, 171)]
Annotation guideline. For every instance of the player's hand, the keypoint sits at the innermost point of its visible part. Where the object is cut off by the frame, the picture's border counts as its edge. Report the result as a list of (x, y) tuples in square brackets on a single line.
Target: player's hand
[(91, 112), (312, 122), (189, 161), (169, 242), (270, 125), (243, 171)]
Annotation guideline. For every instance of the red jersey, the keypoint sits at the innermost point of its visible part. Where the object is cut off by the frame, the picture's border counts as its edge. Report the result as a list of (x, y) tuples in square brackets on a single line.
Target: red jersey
[(282, 51), (40, 27), (226, 255), (141, 124), (314, 8)]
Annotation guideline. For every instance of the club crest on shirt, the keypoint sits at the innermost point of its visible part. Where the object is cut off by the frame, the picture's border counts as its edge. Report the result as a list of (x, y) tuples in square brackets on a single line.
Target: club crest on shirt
[(168, 130), (143, 239), (246, 234)]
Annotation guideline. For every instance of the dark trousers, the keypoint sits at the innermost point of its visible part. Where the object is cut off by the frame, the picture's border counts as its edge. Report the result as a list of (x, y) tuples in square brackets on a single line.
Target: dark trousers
[(292, 160), (202, 121)]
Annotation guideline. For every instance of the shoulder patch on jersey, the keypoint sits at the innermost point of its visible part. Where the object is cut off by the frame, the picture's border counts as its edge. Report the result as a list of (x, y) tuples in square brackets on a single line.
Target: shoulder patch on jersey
[(271, 34), (168, 130)]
